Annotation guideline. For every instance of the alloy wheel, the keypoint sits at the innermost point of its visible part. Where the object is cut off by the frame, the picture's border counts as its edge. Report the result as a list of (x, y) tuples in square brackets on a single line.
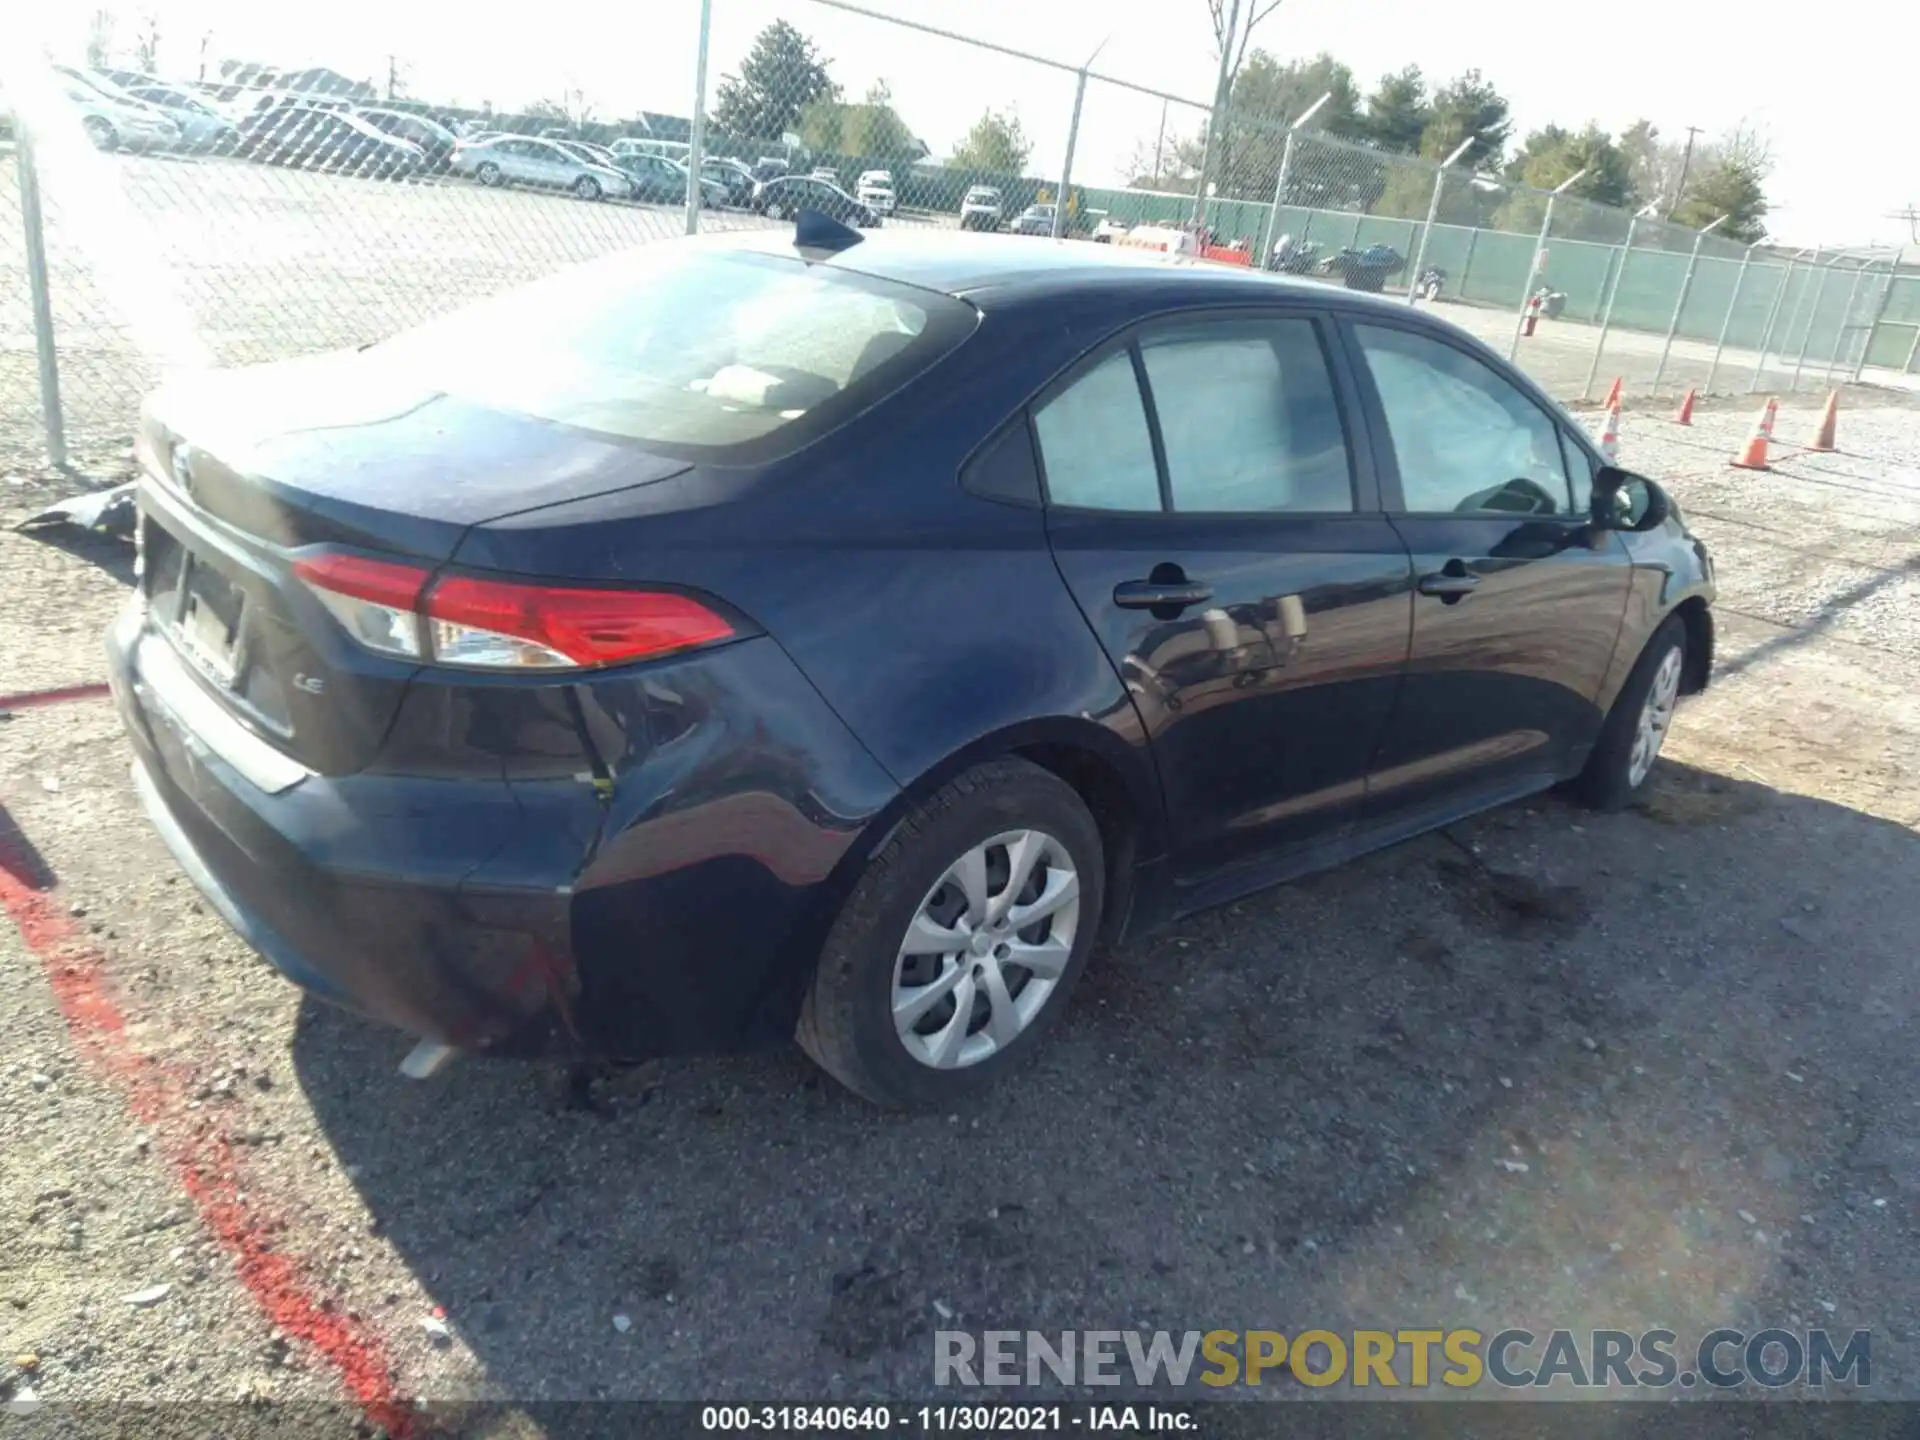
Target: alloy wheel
[(986, 949), (1656, 714)]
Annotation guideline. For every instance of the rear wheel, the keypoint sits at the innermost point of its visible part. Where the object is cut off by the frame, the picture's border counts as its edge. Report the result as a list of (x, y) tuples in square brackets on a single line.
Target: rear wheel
[(959, 945), (776, 211), (101, 134), (1637, 725)]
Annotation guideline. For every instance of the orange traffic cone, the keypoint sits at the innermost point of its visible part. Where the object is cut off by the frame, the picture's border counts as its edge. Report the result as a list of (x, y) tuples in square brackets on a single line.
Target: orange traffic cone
[(1613, 395), (1610, 434), (1831, 418), (1684, 415), (1753, 455)]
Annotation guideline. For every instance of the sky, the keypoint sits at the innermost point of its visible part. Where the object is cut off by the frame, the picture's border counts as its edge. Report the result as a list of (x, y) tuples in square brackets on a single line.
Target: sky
[(1835, 107)]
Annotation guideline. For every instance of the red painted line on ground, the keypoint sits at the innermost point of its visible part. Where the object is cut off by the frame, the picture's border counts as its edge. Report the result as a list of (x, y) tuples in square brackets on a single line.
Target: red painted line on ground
[(31, 698), (199, 1150)]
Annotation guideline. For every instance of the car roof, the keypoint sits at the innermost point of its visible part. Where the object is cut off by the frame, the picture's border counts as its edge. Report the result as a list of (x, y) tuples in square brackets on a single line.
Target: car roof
[(1006, 268)]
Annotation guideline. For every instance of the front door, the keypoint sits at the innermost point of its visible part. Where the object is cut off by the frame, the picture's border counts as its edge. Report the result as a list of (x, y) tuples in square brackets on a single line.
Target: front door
[(1221, 536), (1518, 601)]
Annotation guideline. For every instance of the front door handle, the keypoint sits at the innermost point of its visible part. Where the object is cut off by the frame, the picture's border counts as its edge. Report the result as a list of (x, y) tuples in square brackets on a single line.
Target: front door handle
[(1158, 594), (1447, 586)]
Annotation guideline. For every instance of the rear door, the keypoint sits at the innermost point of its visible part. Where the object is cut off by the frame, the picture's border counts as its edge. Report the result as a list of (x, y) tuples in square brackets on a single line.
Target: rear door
[(1214, 514), (1518, 601)]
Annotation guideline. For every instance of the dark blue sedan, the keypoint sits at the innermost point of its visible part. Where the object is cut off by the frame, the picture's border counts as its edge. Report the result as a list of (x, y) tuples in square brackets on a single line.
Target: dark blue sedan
[(802, 634)]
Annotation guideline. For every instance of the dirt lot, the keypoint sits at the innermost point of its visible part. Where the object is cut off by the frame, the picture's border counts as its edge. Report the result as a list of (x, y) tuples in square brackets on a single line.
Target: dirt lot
[(1546, 1069)]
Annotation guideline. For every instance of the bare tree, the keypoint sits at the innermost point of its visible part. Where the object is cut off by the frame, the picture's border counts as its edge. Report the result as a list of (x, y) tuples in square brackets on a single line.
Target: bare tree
[(100, 27), (1233, 27), (146, 44)]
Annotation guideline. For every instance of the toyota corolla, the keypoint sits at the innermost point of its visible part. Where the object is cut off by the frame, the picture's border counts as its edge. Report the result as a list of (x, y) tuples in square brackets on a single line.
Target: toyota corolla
[(796, 634)]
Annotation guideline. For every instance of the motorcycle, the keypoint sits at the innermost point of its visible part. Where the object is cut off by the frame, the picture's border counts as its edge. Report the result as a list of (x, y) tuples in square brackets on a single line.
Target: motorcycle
[(1432, 280), (1552, 302), (1293, 257)]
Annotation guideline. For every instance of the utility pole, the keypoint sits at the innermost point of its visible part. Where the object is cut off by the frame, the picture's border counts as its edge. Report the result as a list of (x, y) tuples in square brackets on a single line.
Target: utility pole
[(393, 75), (206, 39), (1686, 164)]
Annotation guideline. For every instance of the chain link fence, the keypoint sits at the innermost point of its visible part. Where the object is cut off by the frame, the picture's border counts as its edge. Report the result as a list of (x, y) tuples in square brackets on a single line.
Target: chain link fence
[(273, 224)]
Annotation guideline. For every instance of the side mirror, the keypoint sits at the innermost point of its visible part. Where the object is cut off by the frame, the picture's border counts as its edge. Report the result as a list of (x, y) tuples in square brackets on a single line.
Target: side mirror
[(1624, 501)]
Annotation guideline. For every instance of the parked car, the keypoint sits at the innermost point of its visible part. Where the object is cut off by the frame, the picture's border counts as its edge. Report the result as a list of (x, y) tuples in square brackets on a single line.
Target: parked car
[(202, 127), (1034, 220), (789, 195), (336, 140), (980, 208), (660, 181), (527, 160), (111, 125), (735, 177), (875, 191), (435, 140), (607, 748)]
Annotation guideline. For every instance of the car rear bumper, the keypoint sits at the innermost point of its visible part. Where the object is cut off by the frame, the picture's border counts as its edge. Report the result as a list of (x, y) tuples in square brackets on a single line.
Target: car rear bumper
[(510, 901), (328, 878)]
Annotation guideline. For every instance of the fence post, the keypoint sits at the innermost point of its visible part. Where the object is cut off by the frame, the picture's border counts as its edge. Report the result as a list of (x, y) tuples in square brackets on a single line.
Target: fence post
[(1433, 213), (1879, 314), (1773, 316), (1673, 324), (1840, 334), (43, 339), (1726, 323), (1066, 165), (1806, 335), (1466, 263), (1279, 190), (697, 131), (1913, 352), (1539, 249), (1606, 315)]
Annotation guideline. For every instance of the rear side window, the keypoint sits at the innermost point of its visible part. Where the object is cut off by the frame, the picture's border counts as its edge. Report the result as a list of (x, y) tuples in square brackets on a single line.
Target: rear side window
[(728, 355), (1095, 444), (1248, 418)]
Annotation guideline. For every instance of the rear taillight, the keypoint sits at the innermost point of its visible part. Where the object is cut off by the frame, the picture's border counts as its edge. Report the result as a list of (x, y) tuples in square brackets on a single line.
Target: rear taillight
[(376, 600), (489, 624)]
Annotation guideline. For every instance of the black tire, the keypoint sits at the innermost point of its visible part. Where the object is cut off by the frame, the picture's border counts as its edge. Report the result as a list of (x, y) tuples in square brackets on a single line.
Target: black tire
[(775, 210), (101, 134), (846, 1024), (1607, 783), (488, 173), (586, 188)]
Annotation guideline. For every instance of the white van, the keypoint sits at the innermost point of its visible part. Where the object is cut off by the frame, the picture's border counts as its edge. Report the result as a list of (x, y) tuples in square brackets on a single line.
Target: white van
[(675, 150), (875, 191)]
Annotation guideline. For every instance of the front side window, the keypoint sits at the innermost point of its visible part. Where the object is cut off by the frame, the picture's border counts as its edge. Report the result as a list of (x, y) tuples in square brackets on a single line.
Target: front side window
[(1465, 439)]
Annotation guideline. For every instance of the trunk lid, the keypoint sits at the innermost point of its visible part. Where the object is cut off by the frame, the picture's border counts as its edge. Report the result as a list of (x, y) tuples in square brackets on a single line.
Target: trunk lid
[(248, 469)]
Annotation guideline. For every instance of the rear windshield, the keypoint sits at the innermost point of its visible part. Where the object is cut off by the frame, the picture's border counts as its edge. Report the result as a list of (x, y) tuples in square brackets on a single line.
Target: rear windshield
[(724, 355)]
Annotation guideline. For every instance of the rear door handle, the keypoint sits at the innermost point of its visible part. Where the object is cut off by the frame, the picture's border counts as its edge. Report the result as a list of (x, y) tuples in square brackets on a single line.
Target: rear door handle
[(1448, 587), (1153, 594)]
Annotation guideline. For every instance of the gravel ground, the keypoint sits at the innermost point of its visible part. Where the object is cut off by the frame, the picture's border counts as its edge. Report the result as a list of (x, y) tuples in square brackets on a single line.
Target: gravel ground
[(1692, 1024)]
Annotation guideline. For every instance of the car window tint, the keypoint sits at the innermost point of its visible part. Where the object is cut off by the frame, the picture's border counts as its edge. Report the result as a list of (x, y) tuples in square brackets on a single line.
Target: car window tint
[(1094, 442), (1248, 418), (1465, 439)]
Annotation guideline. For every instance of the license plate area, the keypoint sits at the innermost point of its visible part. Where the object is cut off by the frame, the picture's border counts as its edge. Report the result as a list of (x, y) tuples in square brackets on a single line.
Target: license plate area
[(200, 609)]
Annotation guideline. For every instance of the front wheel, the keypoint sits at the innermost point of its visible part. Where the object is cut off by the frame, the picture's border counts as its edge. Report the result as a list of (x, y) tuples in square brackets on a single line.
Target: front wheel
[(776, 211), (958, 947), (1637, 726), (101, 134), (488, 173), (586, 188)]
